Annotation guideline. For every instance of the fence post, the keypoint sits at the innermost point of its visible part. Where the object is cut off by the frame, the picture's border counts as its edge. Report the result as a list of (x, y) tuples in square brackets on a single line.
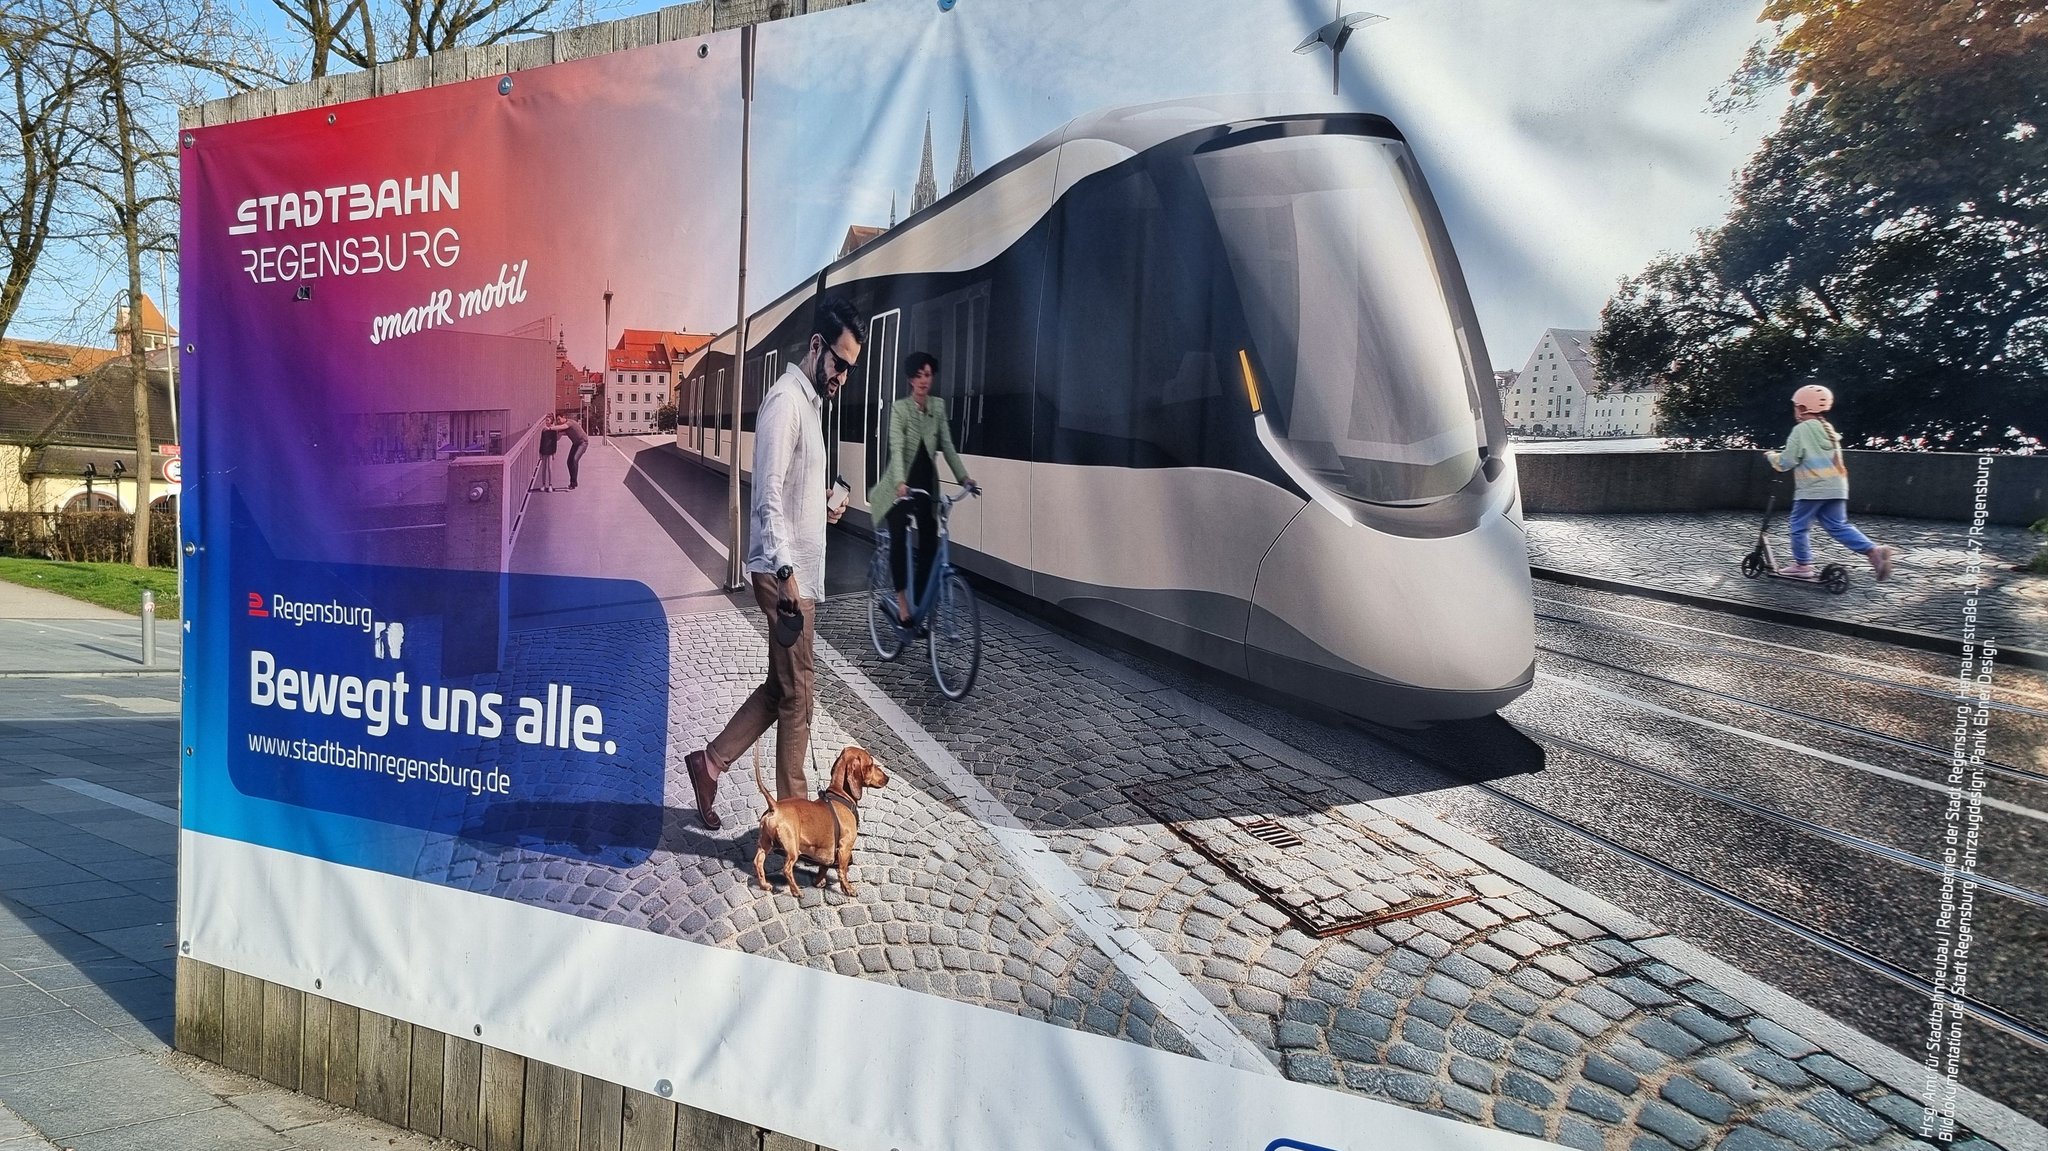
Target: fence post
[(149, 629)]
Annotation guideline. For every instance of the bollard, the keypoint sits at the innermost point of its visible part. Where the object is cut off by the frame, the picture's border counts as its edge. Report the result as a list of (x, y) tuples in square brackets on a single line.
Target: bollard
[(149, 629)]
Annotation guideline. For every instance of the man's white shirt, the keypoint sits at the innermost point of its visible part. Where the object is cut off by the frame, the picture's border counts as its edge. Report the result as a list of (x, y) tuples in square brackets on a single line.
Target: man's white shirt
[(788, 517)]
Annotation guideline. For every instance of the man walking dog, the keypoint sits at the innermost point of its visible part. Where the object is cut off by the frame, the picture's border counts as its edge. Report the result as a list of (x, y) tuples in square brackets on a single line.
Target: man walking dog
[(786, 559)]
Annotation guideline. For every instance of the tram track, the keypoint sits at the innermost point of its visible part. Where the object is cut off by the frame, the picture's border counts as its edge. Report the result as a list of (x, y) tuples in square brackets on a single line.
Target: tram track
[(1871, 847), (1988, 1014), (1924, 750), (1947, 696)]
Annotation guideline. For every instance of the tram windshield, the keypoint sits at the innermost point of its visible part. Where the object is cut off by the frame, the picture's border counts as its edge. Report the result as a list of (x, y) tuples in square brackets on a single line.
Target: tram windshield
[(1366, 374)]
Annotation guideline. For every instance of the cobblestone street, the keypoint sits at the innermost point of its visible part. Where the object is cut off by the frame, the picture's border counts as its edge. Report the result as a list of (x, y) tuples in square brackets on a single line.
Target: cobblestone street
[(1015, 862)]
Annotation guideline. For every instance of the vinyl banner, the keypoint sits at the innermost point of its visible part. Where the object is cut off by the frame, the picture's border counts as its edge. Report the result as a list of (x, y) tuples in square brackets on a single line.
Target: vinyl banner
[(1151, 752)]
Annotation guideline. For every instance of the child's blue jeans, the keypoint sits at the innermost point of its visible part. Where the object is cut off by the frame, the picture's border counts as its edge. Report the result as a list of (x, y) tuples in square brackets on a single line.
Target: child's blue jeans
[(1834, 517)]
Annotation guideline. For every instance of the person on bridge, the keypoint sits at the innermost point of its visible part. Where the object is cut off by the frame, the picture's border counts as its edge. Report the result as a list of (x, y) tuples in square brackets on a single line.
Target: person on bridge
[(917, 431), (1820, 486), (579, 441), (786, 556)]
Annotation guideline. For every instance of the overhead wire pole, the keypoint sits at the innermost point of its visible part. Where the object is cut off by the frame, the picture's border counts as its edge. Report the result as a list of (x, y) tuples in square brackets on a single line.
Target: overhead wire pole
[(1334, 36), (735, 553)]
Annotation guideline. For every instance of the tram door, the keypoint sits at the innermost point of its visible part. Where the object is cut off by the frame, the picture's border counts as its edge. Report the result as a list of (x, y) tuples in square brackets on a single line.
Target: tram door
[(882, 354)]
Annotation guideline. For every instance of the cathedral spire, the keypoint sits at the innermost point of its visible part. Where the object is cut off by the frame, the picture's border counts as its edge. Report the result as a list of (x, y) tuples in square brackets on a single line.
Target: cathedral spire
[(927, 192), (963, 171), (892, 209)]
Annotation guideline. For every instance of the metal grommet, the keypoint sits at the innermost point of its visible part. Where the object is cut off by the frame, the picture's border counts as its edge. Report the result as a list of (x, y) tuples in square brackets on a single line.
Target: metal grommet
[(316, 985), (189, 349), (479, 1029), (946, 5), (703, 50), (664, 1088), (330, 117), (188, 751), (186, 947), (505, 86), (189, 140)]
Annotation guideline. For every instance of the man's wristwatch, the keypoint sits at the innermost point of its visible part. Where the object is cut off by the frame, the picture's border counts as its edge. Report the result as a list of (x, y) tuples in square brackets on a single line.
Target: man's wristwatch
[(784, 572)]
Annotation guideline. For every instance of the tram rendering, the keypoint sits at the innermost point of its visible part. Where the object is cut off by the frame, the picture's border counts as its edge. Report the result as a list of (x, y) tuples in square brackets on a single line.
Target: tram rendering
[(1217, 371)]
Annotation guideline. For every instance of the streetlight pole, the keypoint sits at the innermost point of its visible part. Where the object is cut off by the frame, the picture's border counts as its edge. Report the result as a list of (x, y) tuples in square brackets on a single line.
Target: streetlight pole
[(604, 355), (735, 559)]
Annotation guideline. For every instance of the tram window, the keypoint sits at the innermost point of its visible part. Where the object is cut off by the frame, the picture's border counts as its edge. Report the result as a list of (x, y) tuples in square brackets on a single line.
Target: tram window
[(1139, 301), (953, 327)]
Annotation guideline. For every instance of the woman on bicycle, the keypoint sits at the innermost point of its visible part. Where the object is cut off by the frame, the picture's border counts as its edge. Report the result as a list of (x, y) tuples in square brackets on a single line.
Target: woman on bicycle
[(917, 430)]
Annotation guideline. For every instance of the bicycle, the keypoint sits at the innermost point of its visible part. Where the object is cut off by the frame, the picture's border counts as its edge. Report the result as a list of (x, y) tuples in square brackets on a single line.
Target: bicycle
[(945, 611)]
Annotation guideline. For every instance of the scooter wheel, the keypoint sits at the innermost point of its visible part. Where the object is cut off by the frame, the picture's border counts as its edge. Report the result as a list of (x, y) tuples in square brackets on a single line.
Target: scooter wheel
[(1752, 567), (1835, 578)]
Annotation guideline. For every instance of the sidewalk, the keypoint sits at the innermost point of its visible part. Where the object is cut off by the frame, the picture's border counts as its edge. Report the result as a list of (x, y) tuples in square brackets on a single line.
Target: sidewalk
[(1701, 553), (88, 851), (44, 633)]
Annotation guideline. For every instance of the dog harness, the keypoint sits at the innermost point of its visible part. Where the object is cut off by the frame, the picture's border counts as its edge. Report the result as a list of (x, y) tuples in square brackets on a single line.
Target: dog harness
[(833, 802)]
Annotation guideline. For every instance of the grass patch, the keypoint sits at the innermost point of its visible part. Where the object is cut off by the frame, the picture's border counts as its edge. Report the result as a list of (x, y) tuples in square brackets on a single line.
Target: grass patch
[(118, 586)]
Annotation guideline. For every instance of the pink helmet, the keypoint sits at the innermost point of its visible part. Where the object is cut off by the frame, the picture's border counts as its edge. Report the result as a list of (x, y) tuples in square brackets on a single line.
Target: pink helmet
[(1813, 398)]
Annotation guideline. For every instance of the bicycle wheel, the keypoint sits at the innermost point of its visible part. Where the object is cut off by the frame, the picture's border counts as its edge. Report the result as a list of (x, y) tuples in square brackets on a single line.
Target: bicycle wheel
[(882, 603), (955, 637)]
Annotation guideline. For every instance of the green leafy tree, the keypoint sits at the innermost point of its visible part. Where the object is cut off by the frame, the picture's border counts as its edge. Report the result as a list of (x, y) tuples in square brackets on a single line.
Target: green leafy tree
[(1889, 238)]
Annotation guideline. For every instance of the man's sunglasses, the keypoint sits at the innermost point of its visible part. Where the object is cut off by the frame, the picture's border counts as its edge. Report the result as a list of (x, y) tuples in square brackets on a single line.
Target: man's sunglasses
[(842, 366)]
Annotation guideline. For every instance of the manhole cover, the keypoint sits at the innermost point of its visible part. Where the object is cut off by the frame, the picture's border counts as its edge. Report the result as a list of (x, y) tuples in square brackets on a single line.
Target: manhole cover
[(1328, 873)]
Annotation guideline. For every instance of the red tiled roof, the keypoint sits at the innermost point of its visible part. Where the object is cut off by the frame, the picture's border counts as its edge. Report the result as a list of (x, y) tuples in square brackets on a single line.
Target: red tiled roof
[(39, 362)]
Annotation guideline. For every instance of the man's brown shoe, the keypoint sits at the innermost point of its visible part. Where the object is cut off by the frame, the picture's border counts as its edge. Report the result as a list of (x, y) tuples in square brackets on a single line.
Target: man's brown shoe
[(698, 763)]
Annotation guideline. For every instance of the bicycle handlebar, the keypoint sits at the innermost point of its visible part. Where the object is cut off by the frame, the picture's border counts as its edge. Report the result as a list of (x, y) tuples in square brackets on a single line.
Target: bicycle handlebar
[(949, 501)]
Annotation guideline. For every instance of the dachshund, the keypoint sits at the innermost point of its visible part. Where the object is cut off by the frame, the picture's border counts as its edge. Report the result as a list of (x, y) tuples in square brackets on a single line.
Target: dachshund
[(822, 829)]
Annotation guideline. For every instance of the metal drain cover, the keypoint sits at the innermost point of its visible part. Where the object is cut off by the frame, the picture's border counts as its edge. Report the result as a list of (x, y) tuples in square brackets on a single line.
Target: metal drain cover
[(1328, 873)]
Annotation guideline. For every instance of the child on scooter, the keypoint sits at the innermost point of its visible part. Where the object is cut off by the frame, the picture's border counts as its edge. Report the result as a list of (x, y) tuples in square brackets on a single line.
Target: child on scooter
[(1820, 486)]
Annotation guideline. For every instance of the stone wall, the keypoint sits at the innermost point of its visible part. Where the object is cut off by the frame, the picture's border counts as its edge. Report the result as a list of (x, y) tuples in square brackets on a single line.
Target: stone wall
[(1922, 485)]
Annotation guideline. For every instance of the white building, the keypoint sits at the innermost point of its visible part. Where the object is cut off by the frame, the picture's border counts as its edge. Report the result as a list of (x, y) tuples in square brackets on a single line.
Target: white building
[(1623, 414), (1557, 393)]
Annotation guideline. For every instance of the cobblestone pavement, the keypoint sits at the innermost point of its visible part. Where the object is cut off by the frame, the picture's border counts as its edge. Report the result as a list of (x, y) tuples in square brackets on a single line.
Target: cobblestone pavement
[(1009, 866), (1701, 553)]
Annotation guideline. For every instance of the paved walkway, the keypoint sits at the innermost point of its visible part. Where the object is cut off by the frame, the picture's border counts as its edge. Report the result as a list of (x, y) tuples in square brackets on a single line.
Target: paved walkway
[(42, 632), (88, 853), (1702, 553)]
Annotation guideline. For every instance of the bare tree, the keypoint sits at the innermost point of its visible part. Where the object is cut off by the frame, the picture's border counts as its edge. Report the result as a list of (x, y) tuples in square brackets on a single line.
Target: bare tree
[(43, 145), (146, 57), (366, 33)]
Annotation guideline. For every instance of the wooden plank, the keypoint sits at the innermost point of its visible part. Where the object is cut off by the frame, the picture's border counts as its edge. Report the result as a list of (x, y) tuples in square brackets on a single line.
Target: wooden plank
[(450, 66), (604, 1110), (687, 21), (554, 1108), (703, 1131), (533, 53), (775, 1141), (298, 97), (201, 1002), (648, 1123), (284, 1013), (383, 1067), (589, 40), (428, 1065), (313, 1048), (342, 1041), (242, 1024), (504, 1100), (638, 31), (462, 1091), (486, 60), (404, 75)]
